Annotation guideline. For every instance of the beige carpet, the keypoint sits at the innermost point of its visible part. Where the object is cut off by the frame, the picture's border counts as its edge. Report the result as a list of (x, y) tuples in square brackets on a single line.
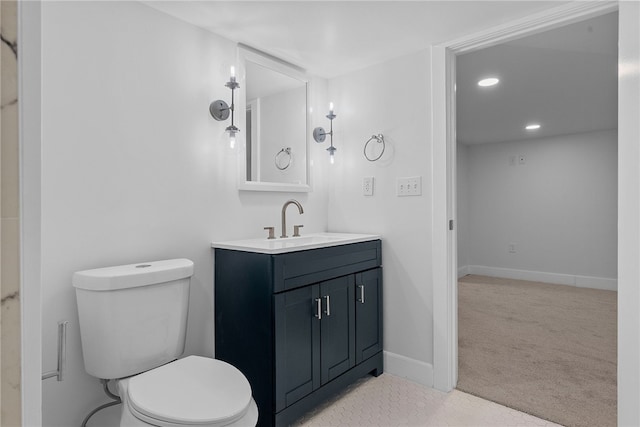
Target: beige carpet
[(548, 350)]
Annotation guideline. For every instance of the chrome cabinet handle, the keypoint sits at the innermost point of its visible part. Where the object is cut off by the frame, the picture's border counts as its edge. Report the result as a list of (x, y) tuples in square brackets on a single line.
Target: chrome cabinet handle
[(318, 308), (327, 311), (361, 299)]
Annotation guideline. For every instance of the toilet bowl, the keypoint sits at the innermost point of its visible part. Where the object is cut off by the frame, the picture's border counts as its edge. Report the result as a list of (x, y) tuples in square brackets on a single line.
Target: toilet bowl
[(194, 391)]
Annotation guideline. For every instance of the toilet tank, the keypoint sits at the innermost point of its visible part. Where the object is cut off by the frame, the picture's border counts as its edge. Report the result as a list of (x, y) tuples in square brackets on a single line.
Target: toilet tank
[(132, 317)]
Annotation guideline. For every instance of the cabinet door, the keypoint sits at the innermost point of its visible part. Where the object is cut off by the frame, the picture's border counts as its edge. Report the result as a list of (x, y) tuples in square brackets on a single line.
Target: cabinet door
[(297, 345), (337, 329), (368, 313)]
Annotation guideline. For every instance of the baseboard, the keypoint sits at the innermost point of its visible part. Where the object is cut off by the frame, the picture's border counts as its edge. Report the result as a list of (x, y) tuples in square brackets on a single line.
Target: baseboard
[(411, 369), (540, 276), (463, 271)]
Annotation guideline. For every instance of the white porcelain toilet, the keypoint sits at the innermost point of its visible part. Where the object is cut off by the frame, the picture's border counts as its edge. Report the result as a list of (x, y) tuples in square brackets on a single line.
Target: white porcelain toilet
[(133, 322)]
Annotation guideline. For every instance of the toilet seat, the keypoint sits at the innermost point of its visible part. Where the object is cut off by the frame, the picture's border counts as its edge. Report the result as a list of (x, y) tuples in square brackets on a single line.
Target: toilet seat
[(197, 391)]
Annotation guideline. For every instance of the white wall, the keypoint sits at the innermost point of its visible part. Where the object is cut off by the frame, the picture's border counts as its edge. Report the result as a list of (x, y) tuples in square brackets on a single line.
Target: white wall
[(135, 169), (462, 206), (559, 208), (372, 101)]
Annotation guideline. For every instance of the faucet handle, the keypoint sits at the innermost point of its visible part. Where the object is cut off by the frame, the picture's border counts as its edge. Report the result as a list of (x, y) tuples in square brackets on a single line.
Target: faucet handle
[(296, 230), (272, 234)]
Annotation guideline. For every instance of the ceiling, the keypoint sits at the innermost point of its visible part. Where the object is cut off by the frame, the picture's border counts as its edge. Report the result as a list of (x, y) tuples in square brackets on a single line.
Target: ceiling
[(331, 38), (564, 79)]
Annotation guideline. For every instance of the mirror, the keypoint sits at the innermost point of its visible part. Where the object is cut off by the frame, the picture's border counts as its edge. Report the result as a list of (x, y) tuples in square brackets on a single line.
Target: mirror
[(275, 155)]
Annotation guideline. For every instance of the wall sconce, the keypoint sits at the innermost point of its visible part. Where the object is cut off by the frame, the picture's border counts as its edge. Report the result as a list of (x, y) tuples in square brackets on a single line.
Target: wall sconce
[(319, 134), (220, 110)]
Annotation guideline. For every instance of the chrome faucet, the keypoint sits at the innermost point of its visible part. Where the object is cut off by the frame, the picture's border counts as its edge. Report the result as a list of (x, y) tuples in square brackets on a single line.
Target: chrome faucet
[(284, 215)]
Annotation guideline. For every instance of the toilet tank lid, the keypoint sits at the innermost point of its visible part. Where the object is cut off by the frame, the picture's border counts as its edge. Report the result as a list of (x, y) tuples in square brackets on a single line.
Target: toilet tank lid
[(133, 275)]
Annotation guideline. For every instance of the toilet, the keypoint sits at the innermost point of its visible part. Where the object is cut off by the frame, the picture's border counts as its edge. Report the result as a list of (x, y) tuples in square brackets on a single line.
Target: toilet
[(133, 321)]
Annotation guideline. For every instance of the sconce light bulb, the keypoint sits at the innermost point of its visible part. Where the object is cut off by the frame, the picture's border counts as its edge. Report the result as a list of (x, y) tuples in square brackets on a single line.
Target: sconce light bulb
[(331, 157), (233, 71), (331, 108), (232, 140)]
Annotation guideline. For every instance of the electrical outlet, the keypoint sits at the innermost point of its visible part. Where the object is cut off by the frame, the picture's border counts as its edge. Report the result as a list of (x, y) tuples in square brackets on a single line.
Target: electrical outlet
[(511, 248), (401, 187), (367, 186), (409, 186), (522, 159)]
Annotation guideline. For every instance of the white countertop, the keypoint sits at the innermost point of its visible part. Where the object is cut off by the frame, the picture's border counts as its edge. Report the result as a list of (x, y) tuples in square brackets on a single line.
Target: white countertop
[(293, 244)]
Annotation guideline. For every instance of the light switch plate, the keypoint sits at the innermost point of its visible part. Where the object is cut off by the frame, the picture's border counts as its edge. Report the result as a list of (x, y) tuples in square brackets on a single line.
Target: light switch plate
[(409, 186)]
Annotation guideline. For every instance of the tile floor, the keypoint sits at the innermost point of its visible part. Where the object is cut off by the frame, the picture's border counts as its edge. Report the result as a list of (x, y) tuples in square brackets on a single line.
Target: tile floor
[(389, 401)]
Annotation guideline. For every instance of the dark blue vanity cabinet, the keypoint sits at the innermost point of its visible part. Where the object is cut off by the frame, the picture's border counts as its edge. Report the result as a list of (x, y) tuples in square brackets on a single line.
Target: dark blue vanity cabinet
[(300, 325)]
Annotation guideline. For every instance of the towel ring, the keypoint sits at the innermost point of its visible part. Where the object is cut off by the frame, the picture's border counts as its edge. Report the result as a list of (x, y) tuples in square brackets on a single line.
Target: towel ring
[(380, 139), (279, 155)]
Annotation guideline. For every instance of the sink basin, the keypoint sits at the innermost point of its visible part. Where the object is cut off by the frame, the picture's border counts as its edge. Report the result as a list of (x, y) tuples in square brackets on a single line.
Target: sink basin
[(292, 244)]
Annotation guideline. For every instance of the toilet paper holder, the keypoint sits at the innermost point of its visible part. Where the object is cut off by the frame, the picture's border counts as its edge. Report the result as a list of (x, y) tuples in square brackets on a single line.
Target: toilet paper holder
[(62, 353)]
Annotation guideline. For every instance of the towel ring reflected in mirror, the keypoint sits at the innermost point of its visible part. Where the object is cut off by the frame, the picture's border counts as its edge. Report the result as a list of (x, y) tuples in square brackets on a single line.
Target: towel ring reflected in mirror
[(283, 158), (379, 138)]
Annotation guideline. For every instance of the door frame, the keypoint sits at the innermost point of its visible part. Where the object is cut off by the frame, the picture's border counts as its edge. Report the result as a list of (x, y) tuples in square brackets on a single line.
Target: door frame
[(443, 158)]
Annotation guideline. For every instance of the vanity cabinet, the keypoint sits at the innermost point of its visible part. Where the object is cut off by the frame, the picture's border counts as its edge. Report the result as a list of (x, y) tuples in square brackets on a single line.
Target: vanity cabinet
[(368, 314), (313, 346), (302, 325)]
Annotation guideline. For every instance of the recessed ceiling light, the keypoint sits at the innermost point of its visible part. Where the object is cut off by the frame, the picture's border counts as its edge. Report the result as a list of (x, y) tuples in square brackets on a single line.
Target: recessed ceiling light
[(532, 126), (489, 81)]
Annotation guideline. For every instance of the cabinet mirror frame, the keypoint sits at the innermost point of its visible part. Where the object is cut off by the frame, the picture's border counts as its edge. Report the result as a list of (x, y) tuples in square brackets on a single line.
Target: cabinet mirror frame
[(245, 54)]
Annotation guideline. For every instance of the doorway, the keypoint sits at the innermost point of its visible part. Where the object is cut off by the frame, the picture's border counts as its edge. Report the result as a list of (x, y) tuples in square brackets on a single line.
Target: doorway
[(537, 200), (444, 273)]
